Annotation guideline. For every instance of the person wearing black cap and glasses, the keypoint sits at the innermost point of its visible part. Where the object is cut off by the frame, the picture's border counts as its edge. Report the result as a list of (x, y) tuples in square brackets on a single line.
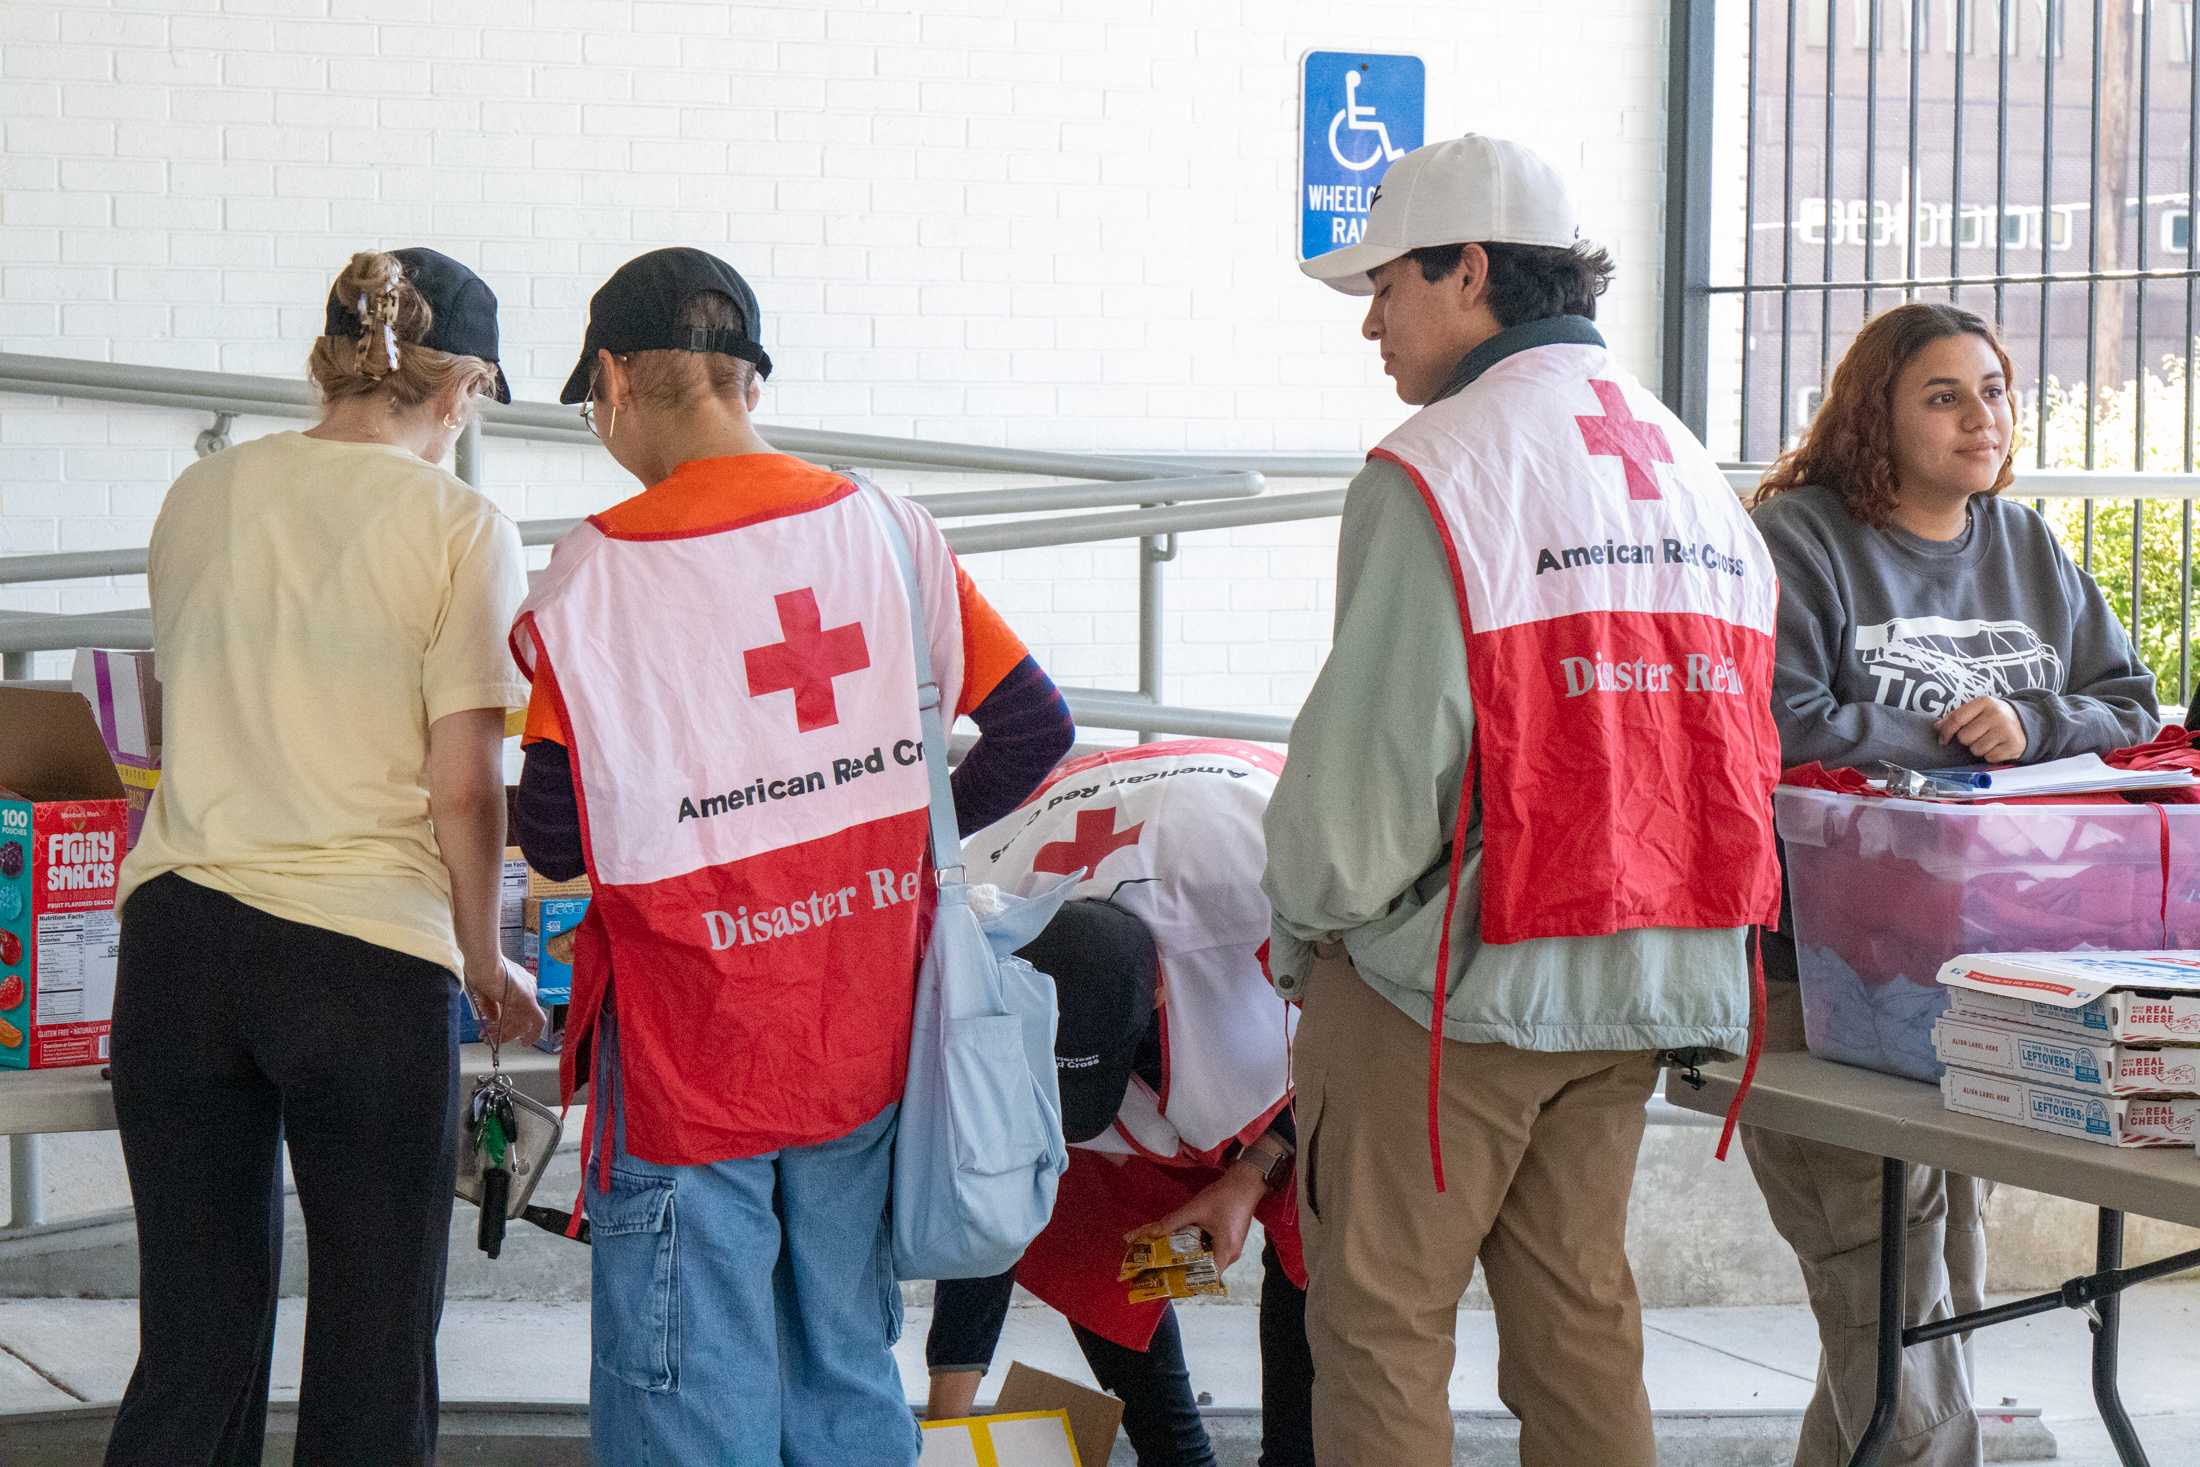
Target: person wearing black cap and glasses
[(1173, 1054), (317, 875), (725, 734)]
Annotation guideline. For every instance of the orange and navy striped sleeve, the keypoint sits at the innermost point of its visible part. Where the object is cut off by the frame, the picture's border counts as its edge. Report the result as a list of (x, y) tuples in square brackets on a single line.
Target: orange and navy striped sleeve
[(990, 650)]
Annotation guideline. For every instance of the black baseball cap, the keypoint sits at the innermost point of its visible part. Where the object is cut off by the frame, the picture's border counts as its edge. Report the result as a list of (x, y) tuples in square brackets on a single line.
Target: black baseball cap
[(637, 308), (465, 310), (1105, 969)]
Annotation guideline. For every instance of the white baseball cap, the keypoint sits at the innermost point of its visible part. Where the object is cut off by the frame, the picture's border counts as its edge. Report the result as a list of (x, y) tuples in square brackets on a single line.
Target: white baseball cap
[(1470, 190)]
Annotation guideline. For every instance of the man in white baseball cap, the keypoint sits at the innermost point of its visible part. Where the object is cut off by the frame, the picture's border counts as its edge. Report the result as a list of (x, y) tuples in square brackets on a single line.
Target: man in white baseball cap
[(1524, 828), (1478, 189)]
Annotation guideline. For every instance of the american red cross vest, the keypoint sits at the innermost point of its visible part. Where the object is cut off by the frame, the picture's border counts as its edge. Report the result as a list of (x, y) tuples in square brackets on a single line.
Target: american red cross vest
[(1173, 832), (1618, 611), (741, 713)]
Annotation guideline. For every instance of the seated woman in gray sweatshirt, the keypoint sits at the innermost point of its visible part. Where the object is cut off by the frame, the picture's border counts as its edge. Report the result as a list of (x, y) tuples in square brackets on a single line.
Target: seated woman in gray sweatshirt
[(1926, 621)]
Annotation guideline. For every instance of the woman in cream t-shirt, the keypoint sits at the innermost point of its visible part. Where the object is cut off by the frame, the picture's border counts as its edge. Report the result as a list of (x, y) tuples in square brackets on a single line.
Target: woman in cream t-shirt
[(317, 876)]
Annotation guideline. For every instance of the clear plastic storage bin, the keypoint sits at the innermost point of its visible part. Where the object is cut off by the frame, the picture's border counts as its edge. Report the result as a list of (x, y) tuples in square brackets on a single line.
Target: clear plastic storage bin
[(1886, 891)]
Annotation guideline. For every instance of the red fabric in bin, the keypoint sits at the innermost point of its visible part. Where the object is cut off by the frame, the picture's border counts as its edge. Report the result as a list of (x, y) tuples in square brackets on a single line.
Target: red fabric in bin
[(2172, 748), (1815, 776)]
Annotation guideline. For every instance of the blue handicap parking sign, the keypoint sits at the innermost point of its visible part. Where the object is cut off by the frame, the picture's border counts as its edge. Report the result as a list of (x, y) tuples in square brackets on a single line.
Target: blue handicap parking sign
[(1360, 112)]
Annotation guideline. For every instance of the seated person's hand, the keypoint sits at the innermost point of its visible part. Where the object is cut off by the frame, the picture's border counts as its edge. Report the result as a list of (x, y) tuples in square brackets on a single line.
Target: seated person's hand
[(1988, 727)]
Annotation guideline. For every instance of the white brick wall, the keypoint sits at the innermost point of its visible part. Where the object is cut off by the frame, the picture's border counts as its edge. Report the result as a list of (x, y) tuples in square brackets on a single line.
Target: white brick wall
[(1002, 221)]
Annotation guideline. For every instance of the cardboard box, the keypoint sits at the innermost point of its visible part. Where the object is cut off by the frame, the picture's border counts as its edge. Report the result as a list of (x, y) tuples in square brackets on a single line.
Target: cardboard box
[(549, 926), (2124, 997), (125, 696), (542, 888), (2109, 1119), (63, 827), (1040, 1420), (2098, 1066)]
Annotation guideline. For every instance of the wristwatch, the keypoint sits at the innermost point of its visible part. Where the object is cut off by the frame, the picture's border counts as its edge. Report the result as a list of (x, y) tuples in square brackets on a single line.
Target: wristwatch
[(1268, 1155)]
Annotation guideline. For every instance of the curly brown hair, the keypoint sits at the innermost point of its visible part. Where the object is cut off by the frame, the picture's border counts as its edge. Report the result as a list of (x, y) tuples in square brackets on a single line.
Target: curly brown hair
[(1849, 446)]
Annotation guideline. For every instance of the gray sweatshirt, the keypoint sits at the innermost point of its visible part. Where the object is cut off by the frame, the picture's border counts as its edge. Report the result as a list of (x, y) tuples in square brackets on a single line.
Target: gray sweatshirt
[(1881, 632)]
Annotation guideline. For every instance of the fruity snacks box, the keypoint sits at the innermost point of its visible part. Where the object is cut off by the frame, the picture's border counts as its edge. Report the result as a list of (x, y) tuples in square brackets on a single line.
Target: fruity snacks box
[(62, 835)]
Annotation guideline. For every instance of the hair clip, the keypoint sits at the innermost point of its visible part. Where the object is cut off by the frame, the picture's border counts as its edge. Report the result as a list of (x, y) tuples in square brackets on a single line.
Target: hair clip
[(380, 311)]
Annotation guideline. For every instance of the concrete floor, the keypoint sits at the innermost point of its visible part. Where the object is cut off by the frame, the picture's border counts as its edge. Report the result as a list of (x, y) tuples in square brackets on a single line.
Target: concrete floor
[(1744, 1371)]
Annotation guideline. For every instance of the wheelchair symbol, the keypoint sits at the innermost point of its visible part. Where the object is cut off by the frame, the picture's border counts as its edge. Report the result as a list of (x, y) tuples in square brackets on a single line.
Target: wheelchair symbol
[(1356, 118)]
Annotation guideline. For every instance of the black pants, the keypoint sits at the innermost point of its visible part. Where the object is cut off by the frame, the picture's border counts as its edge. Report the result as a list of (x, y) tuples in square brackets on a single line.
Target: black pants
[(235, 1032), (1160, 1411)]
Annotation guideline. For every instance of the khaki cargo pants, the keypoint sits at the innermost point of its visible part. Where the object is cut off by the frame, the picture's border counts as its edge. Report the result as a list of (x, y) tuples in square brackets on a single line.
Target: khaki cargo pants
[(1825, 1202), (1539, 1156)]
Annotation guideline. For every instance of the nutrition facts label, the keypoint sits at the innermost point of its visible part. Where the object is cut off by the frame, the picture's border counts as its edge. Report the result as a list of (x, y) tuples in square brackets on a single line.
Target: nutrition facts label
[(76, 965)]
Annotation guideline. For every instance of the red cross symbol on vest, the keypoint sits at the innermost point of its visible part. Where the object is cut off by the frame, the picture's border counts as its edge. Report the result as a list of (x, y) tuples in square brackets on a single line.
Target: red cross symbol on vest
[(1096, 840), (808, 661), (1619, 433)]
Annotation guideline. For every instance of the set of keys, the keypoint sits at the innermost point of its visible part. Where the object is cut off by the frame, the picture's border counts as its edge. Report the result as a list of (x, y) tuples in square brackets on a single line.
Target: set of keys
[(492, 1122)]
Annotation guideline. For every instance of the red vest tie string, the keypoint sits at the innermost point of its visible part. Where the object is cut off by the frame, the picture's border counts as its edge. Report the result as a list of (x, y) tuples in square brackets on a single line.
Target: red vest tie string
[(2161, 813), (1756, 1038)]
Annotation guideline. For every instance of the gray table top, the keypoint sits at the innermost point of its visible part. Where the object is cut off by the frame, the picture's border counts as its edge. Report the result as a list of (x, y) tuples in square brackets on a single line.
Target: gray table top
[(45, 1101), (1819, 1100)]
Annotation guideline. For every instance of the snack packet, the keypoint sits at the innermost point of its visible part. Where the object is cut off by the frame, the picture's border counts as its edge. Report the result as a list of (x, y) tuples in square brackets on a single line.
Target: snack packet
[(1164, 1252), (1178, 1281)]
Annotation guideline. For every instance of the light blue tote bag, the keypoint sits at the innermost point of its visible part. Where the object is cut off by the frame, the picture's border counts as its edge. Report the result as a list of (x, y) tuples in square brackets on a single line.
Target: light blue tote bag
[(980, 1149)]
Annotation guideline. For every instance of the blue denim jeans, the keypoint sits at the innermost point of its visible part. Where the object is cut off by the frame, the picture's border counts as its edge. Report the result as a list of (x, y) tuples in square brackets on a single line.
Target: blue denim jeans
[(745, 1311)]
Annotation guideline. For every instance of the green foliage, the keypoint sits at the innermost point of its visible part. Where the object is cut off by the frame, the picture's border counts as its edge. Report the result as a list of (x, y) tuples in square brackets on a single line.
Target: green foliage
[(2164, 524)]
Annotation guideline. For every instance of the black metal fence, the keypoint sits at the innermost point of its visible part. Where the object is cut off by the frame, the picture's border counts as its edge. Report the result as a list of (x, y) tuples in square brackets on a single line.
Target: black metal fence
[(2033, 160)]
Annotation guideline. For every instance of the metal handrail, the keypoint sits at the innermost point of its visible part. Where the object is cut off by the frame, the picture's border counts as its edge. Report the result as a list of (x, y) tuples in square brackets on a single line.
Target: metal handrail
[(2036, 483), (241, 393), (2030, 483), (1084, 529), (78, 565), (1110, 708), (236, 392), (1192, 488), (133, 628)]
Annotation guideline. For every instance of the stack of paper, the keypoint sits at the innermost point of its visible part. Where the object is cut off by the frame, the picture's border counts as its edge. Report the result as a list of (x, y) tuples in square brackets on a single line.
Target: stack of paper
[(2081, 774)]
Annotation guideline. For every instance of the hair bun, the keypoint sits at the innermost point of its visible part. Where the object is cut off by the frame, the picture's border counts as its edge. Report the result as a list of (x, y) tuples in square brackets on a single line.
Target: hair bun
[(387, 352), (391, 311)]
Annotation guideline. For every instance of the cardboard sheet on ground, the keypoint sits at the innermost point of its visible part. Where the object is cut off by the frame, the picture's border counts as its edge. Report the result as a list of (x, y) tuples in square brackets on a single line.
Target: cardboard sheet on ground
[(1039, 1420)]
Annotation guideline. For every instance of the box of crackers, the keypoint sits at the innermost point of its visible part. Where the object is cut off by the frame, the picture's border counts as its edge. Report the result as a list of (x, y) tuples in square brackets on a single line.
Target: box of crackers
[(63, 831), (548, 932)]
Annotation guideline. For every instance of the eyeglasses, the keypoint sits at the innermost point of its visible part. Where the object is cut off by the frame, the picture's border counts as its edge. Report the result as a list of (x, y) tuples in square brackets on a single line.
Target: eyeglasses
[(588, 407)]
